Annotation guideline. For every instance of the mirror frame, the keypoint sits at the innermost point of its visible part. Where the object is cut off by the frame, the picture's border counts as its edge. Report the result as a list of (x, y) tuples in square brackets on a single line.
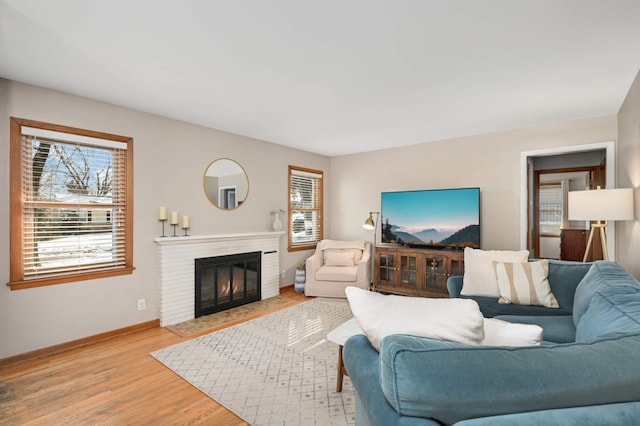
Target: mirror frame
[(215, 202)]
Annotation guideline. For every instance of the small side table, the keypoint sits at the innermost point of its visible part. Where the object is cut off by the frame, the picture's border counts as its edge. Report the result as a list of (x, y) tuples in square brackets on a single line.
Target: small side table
[(339, 336)]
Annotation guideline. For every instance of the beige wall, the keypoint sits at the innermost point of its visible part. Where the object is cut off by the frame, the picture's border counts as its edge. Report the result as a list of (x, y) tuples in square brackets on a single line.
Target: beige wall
[(491, 162), (170, 159), (628, 233)]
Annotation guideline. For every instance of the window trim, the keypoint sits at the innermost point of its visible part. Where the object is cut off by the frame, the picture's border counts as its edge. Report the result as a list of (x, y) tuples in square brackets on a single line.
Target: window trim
[(16, 266), (312, 244)]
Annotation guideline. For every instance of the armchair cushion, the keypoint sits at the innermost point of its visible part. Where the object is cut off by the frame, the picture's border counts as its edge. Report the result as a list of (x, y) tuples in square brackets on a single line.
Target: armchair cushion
[(333, 257), (337, 273)]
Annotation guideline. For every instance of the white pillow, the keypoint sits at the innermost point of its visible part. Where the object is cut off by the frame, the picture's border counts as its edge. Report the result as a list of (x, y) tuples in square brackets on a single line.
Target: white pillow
[(338, 258), (525, 283), (503, 333), (378, 315), (479, 276), (357, 247)]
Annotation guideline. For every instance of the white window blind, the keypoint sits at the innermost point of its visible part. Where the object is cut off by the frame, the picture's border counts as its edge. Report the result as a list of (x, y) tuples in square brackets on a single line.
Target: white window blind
[(550, 209), (305, 207), (73, 207)]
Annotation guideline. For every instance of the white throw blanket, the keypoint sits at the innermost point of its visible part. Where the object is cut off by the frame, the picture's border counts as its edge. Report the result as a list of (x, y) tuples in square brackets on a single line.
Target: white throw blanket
[(378, 315)]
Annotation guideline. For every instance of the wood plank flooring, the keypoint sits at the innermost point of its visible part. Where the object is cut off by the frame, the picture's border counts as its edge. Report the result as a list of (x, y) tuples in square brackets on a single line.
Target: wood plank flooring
[(113, 382)]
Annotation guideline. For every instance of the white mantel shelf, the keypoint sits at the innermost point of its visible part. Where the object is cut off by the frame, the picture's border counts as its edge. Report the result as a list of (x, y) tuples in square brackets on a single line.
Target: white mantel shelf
[(177, 267), (196, 239)]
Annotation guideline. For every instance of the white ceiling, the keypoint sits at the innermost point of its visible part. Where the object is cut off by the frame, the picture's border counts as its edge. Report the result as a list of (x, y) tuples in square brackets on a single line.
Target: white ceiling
[(333, 76)]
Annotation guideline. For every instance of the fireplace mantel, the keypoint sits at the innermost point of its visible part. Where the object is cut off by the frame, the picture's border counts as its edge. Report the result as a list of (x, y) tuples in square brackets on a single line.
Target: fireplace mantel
[(198, 239), (177, 267)]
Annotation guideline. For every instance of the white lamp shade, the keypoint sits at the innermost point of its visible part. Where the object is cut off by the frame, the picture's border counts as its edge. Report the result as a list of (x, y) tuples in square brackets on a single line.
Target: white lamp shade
[(601, 204)]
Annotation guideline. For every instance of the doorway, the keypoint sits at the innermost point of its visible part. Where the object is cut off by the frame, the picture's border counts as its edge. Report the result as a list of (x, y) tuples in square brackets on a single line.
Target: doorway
[(553, 235), (546, 177), (227, 197)]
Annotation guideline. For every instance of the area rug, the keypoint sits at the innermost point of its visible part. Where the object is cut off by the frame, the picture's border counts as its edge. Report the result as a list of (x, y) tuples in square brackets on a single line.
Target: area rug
[(278, 369), (200, 325)]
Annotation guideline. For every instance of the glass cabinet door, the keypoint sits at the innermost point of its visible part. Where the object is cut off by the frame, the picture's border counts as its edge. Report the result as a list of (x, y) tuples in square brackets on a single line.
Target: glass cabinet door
[(435, 275), (408, 270), (387, 268)]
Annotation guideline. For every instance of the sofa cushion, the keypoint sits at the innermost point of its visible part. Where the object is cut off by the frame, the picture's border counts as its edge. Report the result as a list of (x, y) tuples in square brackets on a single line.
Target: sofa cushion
[(380, 315), (564, 277), (479, 275), (601, 274), (525, 283), (334, 257), (490, 307), (557, 329), (337, 273), (612, 310)]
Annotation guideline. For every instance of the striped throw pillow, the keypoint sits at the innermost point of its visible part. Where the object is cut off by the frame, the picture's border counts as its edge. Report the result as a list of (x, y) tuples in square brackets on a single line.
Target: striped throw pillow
[(525, 283)]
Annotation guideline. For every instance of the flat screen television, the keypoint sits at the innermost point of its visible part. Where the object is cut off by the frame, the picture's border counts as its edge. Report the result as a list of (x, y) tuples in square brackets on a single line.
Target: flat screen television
[(432, 218)]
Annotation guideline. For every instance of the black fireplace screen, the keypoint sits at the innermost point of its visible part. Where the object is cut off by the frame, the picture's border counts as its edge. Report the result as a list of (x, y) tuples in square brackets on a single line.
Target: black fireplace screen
[(224, 282)]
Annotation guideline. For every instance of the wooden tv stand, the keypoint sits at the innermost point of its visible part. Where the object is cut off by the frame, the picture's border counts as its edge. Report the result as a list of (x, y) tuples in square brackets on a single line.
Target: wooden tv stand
[(415, 271)]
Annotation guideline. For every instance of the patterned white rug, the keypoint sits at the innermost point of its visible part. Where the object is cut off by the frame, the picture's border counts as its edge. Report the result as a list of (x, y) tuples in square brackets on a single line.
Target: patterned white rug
[(278, 369)]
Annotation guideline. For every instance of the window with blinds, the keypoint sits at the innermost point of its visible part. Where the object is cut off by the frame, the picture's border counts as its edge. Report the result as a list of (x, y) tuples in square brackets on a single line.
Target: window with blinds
[(550, 209), (71, 204), (305, 208)]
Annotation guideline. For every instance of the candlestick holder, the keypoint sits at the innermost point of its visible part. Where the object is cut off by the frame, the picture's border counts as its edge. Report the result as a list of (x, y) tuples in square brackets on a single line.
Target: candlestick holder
[(174, 229), (186, 232), (163, 221)]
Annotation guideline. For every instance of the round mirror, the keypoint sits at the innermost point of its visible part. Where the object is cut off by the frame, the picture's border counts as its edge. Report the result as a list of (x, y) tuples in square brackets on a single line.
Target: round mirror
[(226, 184)]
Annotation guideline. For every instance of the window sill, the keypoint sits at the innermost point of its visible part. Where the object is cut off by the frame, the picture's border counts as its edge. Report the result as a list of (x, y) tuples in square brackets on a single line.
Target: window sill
[(41, 282)]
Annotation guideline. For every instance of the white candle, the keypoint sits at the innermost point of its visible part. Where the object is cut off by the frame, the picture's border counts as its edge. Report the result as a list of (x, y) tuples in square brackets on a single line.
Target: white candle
[(185, 222), (162, 213), (174, 218)]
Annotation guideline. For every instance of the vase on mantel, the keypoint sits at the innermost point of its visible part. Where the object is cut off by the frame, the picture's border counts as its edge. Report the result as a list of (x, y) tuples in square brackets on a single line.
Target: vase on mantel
[(277, 223)]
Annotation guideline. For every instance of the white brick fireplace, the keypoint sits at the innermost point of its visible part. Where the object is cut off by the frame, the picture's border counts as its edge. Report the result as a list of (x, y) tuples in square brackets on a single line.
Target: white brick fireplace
[(177, 267)]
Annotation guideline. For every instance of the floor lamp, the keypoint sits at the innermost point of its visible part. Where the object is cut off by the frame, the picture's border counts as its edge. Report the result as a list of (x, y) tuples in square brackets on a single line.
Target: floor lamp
[(372, 225), (600, 205)]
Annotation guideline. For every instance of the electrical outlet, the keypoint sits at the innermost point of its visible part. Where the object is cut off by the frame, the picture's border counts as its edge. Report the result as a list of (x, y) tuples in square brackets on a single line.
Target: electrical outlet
[(142, 304), (283, 274)]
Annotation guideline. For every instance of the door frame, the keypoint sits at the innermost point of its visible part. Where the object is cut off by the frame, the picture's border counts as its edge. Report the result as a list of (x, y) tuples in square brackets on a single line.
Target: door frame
[(526, 184)]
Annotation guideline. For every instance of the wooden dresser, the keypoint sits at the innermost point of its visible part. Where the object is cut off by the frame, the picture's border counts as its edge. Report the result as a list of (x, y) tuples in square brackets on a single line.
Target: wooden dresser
[(573, 243), (415, 271)]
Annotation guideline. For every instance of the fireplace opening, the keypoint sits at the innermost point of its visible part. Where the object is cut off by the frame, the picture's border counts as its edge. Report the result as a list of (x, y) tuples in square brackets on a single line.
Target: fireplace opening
[(224, 282)]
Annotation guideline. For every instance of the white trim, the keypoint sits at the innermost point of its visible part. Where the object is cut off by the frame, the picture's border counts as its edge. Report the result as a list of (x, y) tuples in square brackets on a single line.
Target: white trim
[(608, 146)]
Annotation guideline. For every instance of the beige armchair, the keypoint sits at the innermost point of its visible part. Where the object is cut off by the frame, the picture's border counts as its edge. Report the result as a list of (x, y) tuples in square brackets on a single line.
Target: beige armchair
[(336, 265)]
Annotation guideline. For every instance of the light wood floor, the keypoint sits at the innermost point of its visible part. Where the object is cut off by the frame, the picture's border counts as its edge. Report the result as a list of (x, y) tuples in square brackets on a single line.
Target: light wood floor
[(114, 382)]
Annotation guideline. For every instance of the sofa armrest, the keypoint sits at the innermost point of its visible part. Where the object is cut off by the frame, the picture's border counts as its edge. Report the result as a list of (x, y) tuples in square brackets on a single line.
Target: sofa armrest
[(450, 382), (362, 362), (454, 285)]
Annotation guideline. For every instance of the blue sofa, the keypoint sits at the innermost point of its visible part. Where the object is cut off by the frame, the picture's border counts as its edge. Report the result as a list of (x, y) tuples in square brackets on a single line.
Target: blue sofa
[(592, 380)]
